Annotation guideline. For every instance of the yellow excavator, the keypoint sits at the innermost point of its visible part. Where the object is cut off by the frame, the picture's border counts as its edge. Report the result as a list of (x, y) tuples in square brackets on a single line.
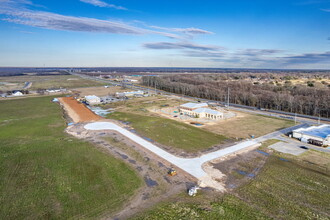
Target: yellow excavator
[(171, 172)]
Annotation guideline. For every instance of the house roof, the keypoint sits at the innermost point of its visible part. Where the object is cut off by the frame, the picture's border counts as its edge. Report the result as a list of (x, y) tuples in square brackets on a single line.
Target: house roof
[(322, 131), (194, 105), (207, 110)]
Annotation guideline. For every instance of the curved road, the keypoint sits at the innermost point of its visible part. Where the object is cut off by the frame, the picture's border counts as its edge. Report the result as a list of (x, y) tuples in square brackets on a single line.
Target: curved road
[(192, 166)]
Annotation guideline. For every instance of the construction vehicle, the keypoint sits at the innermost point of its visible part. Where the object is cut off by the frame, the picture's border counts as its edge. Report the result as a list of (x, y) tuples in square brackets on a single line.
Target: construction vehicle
[(172, 172)]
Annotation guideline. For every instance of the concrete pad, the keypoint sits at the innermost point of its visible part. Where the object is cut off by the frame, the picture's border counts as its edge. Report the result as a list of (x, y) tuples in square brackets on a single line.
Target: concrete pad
[(288, 148)]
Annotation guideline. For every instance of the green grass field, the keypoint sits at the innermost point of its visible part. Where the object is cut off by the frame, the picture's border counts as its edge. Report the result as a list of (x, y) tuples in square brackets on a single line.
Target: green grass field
[(47, 82), (169, 132), (229, 208), (47, 174), (289, 190), (282, 190)]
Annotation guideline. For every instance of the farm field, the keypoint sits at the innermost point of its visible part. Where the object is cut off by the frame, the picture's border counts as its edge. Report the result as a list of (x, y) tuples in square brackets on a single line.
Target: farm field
[(245, 125), (169, 132), (47, 174), (285, 188), (47, 82)]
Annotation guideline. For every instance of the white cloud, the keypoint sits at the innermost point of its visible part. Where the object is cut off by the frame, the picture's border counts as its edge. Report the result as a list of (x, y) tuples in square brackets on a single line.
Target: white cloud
[(17, 12), (180, 45), (69, 23), (190, 31), (103, 4)]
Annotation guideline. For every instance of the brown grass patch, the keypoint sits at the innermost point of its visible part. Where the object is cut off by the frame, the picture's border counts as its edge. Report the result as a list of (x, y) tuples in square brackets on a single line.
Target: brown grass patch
[(244, 125)]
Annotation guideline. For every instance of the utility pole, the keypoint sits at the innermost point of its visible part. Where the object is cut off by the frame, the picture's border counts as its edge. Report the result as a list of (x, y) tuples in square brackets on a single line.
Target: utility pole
[(155, 88), (319, 120), (295, 118), (228, 99)]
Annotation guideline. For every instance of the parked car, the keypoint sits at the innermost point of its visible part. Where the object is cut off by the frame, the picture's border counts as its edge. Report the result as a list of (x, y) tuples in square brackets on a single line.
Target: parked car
[(304, 147)]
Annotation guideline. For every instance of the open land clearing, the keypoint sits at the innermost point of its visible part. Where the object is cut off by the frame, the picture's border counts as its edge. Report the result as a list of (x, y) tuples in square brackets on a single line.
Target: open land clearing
[(99, 91), (143, 105), (283, 187), (47, 174), (192, 166), (9, 86), (171, 133), (321, 82), (245, 125), (47, 82)]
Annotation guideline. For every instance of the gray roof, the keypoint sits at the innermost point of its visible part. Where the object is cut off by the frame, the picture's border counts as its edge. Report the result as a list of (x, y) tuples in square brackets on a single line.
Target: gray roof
[(207, 110), (194, 105)]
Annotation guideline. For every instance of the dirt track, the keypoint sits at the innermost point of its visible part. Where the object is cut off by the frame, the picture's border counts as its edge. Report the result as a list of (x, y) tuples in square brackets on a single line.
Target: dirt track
[(77, 111)]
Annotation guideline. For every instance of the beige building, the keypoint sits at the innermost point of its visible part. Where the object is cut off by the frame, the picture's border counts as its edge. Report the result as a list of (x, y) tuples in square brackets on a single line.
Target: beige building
[(200, 110)]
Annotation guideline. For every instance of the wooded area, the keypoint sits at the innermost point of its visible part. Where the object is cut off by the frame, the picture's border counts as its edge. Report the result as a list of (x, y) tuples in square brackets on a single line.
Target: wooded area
[(300, 93)]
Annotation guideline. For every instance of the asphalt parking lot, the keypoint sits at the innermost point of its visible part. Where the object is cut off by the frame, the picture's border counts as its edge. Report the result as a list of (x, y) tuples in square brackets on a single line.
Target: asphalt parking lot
[(289, 148)]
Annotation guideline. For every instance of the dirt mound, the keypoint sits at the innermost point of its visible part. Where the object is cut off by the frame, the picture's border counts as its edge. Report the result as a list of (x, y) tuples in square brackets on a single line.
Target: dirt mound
[(78, 111)]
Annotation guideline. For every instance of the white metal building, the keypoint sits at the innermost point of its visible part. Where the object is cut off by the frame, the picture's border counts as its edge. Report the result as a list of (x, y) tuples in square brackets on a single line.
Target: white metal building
[(93, 99), (129, 94), (319, 135)]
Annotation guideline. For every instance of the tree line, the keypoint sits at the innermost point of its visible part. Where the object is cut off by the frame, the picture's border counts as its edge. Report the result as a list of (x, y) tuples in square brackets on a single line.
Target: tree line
[(266, 93)]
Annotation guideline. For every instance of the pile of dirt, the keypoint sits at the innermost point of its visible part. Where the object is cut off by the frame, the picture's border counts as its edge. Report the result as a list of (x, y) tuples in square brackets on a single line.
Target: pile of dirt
[(78, 111), (214, 178)]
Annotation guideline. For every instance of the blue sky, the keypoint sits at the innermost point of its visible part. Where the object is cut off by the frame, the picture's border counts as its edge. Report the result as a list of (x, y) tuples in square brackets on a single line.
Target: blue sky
[(182, 33)]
